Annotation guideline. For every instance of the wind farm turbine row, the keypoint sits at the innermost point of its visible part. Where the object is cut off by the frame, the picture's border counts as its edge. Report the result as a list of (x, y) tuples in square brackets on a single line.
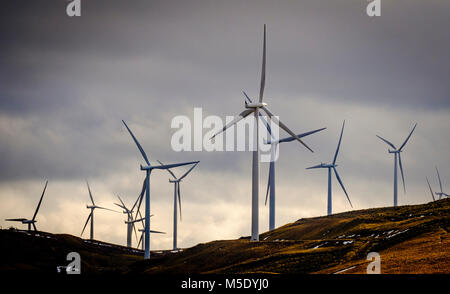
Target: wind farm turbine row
[(251, 109)]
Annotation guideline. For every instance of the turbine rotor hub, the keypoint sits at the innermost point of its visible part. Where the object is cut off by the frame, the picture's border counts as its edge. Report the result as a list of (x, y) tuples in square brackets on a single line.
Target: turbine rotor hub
[(255, 105)]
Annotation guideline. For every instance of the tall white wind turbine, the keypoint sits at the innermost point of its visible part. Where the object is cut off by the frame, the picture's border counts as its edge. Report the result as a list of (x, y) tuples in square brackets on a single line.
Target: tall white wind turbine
[(254, 109), (32, 221), (91, 215), (176, 191), (332, 167), (398, 158), (148, 169), (271, 182)]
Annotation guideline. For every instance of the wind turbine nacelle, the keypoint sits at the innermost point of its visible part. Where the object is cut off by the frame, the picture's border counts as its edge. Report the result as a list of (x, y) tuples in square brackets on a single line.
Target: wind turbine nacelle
[(90, 206), (146, 167), (28, 221), (255, 105), (393, 151)]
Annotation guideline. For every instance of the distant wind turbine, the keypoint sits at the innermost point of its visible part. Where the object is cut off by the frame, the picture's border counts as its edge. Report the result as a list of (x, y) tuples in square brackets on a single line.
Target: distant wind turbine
[(142, 231), (396, 153), (91, 215), (254, 109), (440, 194), (142, 235), (129, 221), (149, 168), (176, 191), (32, 221), (332, 166)]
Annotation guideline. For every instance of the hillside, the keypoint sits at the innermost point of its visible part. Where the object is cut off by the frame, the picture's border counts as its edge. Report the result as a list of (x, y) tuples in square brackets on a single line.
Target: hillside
[(409, 239)]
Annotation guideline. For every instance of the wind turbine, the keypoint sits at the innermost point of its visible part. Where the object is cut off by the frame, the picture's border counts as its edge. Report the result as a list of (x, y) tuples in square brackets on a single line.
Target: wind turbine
[(440, 194), (271, 181), (91, 215), (32, 221), (148, 169), (176, 190), (130, 219), (254, 109), (396, 153), (142, 235), (330, 167)]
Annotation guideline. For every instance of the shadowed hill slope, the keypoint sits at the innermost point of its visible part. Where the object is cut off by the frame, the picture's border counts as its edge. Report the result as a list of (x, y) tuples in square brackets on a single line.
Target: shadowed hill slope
[(410, 239)]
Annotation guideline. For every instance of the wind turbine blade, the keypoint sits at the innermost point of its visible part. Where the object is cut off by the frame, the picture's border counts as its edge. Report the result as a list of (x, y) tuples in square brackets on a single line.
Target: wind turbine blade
[(387, 142), (140, 240), (431, 191), (246, 96), (268, 183), (135, 232), (107, 209), (141, 219), (241, 116), (342, 185), (90, 194), (404, 143), (182, 177), (289, 139), (123, 204), (89, 217), (170, 172), (315, 166), (139, 199), (15, 219), (339, 144), (401, 171), (157, 232), (439, 177), (138, 220), (174, 165), (284, 127), (34, 226), (119, 205), (137, 144), (179, 198), (40, 201), (263, 69)]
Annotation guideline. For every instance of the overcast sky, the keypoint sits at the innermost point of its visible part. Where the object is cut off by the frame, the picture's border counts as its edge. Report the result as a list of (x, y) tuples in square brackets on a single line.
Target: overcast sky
[(66, 84)]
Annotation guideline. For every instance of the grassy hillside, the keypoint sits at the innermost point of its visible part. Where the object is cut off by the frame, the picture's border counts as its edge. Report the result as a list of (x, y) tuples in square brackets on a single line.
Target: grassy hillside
[(410, 239)]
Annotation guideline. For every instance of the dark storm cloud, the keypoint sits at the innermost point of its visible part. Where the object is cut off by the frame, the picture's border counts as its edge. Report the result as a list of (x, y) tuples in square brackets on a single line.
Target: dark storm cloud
[(67, 82)]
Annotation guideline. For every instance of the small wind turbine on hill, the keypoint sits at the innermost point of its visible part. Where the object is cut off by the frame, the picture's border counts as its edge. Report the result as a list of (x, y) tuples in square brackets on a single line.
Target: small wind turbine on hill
[(140, 241), (176, 191), (129, 222), (32, 221), (148, 169), (440, 194), (142, 235), (330, 167), (397, 155), (91, 215), (254, 109)]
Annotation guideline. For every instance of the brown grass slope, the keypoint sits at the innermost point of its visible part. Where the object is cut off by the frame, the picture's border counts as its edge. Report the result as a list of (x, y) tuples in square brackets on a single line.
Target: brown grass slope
[(317, 244), (410, 239)]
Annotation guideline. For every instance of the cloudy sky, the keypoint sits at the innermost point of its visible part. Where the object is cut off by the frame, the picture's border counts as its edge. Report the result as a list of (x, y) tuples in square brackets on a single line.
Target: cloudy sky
[(66, 84)]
